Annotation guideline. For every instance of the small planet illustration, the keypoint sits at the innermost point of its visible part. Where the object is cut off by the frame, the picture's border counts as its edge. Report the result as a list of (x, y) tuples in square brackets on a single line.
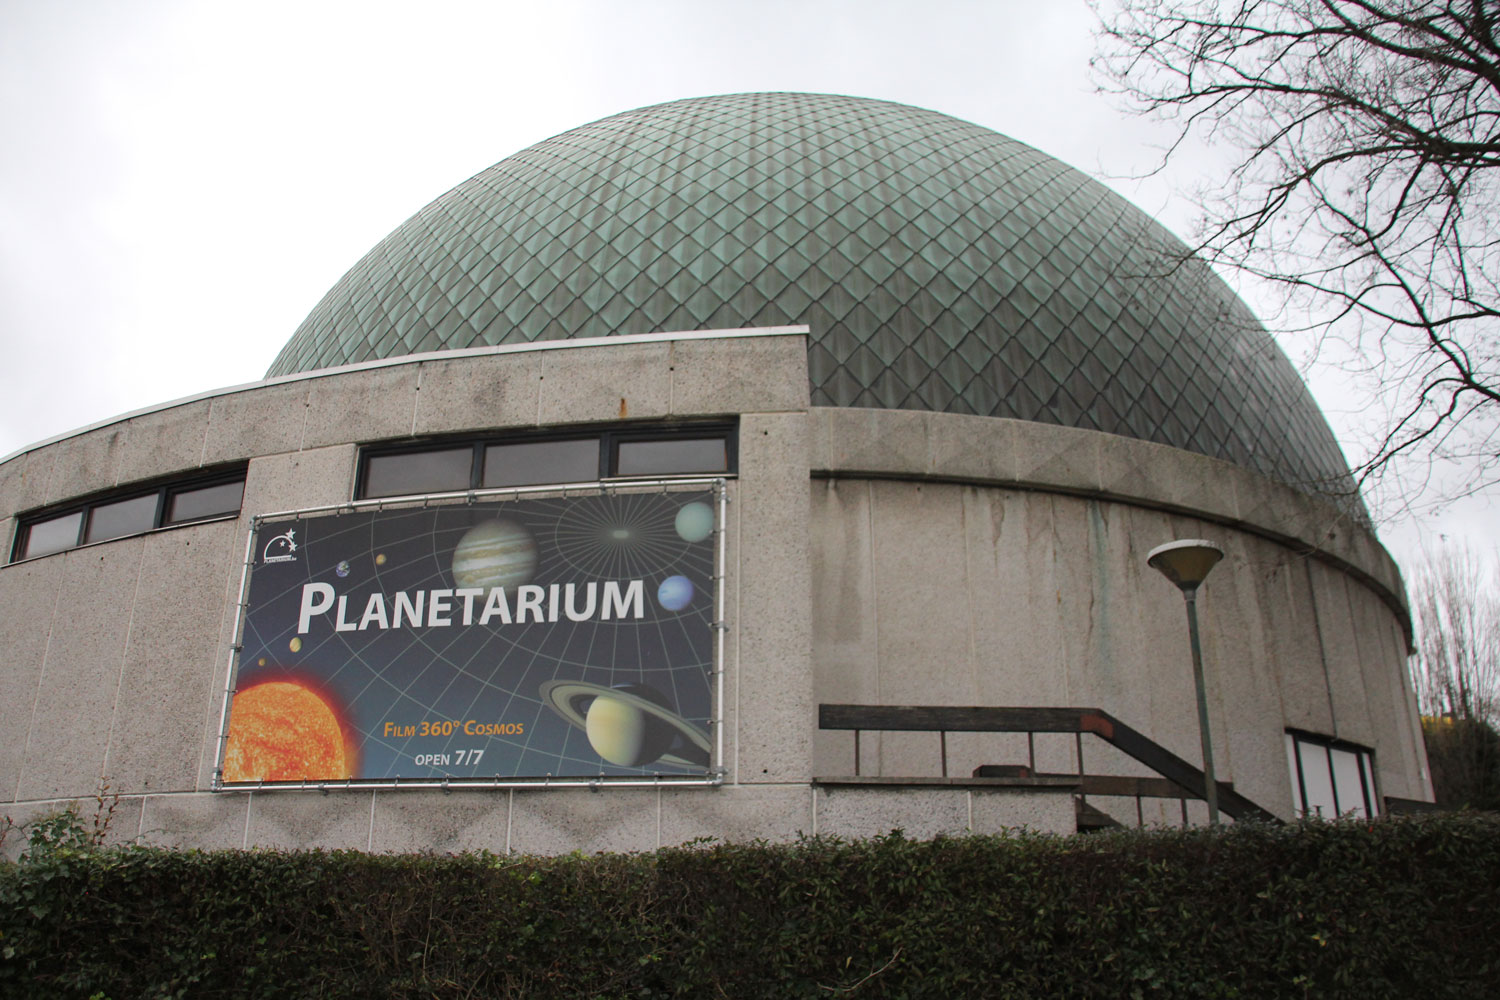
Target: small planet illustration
[(380, 559), (630, 724), (695, 521), (342, 569), (296, 644), (283, 731), (675, 593), (494, 553)]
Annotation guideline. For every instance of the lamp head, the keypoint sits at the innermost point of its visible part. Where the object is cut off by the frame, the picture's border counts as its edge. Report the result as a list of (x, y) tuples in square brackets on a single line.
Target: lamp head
[(1185, 562)]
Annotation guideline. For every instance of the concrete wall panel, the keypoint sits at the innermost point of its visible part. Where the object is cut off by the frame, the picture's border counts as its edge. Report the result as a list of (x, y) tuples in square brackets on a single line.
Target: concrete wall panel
[(869, 440), (29, 594), (738, 376), (844, 647), (735, 813), (1341, 653), (114, 820), (465, 394), (206, 821), (79, 688), (772, 626), (1400, 762), (170, 660), (1038, 812), (304, 820), (86, 463), (360, 406), (557, 821), (967, 447), (406, 820), (1064, 457), (254, 422), (163, 441), (919, 813), (299, 479), (23, 485), (626, 381), (1289, 621)]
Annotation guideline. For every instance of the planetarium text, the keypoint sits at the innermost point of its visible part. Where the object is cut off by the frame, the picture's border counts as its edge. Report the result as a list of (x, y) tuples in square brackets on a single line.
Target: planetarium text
[(443, 607)]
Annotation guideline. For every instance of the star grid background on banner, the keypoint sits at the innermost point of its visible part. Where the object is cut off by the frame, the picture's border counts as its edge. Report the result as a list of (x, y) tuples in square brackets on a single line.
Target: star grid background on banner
[(531, 638)]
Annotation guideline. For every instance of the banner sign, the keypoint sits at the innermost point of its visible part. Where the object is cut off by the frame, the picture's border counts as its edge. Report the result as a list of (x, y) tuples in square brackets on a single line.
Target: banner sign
[(534, 638)]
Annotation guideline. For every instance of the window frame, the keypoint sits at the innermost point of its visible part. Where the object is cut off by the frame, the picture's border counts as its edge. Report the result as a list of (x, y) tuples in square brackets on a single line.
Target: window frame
[(164, 491), (1367, 793), (607, 438)]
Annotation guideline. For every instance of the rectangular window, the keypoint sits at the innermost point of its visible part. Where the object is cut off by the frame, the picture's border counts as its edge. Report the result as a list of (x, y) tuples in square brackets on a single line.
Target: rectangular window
[(537, 460), (533, 463), (124, 512), (51, 535), (672, 456), (205, 501), (123, 517), (443, 470), (1330, 778)]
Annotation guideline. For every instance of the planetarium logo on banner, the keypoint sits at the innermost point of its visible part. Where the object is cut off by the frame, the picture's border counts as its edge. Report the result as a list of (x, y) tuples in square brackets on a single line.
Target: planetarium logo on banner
[(530, 639)]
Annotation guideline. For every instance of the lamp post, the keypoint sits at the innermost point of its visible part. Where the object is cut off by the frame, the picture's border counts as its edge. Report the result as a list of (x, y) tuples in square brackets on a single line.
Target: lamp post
[(1186, 563)]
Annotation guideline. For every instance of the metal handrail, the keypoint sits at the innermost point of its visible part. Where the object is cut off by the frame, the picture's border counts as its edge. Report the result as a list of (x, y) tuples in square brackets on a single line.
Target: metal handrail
[(974, 719)]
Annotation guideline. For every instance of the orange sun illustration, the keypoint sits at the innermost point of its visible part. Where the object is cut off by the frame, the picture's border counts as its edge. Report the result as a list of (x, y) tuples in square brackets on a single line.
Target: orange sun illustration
[(282, 731)]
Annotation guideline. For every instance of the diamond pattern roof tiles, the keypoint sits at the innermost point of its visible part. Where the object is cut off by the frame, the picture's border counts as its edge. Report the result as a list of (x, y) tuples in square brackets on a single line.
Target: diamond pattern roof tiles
[(940, 266)]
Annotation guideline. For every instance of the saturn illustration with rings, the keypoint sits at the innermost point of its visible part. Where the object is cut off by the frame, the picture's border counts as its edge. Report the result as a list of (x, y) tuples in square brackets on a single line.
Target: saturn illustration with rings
[(629, 724)]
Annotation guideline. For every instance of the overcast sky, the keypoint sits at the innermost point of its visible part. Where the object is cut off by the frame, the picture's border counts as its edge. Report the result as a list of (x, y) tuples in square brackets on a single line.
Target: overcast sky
[(182, 181)]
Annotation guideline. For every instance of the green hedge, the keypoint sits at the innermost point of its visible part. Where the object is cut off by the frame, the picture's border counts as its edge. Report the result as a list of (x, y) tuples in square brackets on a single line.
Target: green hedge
[(1401, 908)]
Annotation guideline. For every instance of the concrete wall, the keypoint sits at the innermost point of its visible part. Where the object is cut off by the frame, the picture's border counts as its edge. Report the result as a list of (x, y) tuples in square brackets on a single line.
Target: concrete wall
[(930, 559), (971, 561), (118, 653)]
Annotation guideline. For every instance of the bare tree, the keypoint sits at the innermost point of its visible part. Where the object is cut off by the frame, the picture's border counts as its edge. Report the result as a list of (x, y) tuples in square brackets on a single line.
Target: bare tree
[(1366, 137), (1456, 675), (1456, 604)]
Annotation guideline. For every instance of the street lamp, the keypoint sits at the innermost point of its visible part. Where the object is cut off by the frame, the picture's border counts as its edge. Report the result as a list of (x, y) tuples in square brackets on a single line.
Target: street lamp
[(1186, 563)]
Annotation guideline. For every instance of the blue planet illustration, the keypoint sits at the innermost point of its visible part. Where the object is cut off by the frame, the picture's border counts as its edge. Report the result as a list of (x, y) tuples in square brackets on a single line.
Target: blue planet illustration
[(342, 569), (675, 593), (695, 521), (495, 553)]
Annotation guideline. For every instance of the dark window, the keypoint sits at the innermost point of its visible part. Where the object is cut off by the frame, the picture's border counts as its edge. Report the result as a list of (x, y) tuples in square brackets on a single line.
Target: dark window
[(205, 501), (671, 456), (419, 472), (51, 535), (532, 463), (123, 517), (541, 460), (130, 511)]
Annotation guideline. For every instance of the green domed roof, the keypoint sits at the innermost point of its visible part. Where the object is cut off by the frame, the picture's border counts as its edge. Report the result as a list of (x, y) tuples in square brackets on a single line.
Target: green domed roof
[(940, 265)]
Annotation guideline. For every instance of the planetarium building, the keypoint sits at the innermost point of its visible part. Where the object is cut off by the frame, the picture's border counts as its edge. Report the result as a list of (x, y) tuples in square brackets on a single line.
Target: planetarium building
[(738, 467)]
